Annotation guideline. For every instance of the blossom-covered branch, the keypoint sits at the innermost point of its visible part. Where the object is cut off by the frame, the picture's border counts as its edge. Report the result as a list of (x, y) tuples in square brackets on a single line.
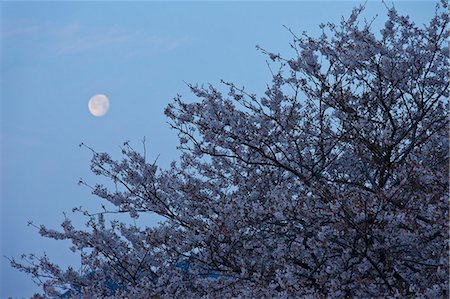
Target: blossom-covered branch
[(334, 183)]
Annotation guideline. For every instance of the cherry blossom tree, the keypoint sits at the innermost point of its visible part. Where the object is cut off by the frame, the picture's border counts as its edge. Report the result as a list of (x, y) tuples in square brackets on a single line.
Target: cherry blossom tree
[(334, 183)]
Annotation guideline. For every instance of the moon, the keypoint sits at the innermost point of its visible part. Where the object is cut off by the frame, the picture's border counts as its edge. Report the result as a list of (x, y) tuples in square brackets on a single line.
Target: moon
[(98, 105)]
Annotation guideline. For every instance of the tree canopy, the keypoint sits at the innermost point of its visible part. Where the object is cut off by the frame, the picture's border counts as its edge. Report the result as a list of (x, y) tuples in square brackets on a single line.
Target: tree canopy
[(333, 183)]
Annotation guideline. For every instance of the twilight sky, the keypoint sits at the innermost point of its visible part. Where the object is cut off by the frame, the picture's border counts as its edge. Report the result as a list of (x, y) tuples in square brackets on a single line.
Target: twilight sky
[(56, 55)]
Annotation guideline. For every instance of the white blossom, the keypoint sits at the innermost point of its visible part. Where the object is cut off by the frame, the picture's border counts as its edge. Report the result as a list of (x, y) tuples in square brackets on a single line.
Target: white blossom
[(334, 184)]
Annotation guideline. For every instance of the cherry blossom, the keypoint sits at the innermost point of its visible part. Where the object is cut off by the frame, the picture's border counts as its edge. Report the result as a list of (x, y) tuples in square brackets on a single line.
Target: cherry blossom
[(332, 184)]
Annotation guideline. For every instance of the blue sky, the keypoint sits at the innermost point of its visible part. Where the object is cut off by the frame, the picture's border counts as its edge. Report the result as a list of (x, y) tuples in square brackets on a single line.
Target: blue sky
[(56, 55)]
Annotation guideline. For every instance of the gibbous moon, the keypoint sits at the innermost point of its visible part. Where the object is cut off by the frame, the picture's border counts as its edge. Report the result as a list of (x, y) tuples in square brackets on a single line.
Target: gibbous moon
[(98, 105)]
